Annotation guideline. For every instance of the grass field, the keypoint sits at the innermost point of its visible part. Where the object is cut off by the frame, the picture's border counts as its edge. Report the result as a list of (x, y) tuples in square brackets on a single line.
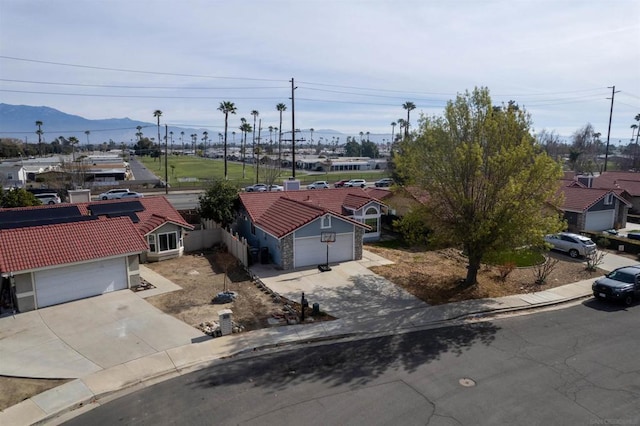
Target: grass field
[(201, 170)]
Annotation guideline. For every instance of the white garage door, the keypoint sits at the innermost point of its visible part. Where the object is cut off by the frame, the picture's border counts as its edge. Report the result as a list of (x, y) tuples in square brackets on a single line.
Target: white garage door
[(599, 221), (310, 251), (75, 282)]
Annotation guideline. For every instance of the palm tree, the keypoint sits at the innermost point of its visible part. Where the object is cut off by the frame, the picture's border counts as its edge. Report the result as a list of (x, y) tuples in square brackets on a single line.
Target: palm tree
[(368, 136), (171, 137), (409, 106), (139, 132), (182, 141), (401, 124), (157, 113), (244, 128), (311, 130), (205, 138), (73, 141), (255, 114), (194, 139), (86, 132), (226, 108), (393, 128), (270, 134), (280, 108), (39, 133)]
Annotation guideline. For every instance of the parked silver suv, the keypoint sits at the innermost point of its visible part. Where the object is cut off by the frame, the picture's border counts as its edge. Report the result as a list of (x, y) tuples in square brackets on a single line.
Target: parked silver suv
[(113, 194), (574, 244)]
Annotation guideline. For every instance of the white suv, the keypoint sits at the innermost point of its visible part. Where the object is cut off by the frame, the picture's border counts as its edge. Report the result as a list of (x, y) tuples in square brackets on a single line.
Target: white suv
[(113, 194), (574, 244), (49, 198), (319, 184), (356, 182)]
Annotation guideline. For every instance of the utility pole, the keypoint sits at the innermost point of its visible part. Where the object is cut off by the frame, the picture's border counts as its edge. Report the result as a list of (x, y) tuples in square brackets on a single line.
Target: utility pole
[(293, 130), (606, 154), (257, 150), (166, 172)]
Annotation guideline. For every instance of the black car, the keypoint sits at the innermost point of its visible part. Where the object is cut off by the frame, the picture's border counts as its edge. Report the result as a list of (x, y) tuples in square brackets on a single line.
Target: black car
[(621, 284)]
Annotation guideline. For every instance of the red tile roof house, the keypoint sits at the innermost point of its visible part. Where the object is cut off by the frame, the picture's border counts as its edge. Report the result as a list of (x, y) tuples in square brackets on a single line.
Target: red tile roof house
[(58, 253), (627, 181), (591, 209), (289, 225)]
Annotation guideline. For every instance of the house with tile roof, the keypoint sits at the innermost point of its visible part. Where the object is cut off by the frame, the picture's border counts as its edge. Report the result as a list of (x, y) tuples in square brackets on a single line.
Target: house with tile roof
[(290, 228), (593, 209), (57, 253), (627, 181)]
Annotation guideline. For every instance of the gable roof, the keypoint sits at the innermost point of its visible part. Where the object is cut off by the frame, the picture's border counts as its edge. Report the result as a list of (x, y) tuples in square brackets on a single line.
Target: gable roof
[(629, 181), (36, 247), (280, 213), (578, 199)]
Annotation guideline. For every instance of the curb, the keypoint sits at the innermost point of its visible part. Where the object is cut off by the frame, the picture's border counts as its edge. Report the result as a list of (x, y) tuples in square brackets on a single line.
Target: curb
[(256, 351)]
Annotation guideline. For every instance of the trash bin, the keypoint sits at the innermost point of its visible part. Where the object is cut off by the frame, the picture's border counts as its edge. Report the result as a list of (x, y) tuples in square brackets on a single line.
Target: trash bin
[(254, 253), (264, 255), (316, 309)]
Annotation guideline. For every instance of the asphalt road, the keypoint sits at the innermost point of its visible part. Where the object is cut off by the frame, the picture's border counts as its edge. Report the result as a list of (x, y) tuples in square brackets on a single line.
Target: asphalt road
[(573, 366)]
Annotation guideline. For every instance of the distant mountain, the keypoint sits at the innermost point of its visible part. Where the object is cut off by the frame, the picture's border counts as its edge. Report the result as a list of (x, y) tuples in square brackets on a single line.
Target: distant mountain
[(18, 121)]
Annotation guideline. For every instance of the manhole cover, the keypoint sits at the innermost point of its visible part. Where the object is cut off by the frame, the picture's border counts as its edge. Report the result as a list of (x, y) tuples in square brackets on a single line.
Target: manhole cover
[(466, 382)]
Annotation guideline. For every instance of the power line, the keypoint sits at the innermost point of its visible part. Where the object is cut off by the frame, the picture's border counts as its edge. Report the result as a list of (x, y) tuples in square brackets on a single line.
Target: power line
[(136, 71), (110, 86), (131, 96)]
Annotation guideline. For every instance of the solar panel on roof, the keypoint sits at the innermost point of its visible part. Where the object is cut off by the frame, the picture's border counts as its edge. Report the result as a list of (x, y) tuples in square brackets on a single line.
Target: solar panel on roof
[(10, 219), (132, 206), (43, 222)]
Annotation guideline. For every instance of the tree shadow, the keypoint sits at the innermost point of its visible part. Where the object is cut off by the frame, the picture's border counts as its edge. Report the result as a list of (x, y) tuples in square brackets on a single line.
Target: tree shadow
[(353, 363)]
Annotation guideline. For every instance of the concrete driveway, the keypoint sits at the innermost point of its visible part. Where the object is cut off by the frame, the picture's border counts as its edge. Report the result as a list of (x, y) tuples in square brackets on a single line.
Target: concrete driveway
[(75, 339), (349, 291)]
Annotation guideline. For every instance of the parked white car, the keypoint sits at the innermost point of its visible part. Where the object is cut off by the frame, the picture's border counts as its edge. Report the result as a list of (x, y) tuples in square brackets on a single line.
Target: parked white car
[(356, 182), (48, 198), (258, 187), (319, 184), (113, 194), (574, 244)]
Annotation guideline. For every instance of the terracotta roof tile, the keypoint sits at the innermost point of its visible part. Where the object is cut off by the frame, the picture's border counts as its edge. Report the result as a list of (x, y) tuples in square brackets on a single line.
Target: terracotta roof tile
[(629, 181), (41, 246), (280, 213), (581, 199)]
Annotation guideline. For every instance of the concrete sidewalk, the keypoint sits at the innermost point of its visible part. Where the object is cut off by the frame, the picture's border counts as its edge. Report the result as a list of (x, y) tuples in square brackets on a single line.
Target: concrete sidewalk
[(164, 364)]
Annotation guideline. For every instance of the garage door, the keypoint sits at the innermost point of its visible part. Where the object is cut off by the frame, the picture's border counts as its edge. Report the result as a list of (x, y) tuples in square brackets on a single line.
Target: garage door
[(75, 282), (311, 251), (599, 221)]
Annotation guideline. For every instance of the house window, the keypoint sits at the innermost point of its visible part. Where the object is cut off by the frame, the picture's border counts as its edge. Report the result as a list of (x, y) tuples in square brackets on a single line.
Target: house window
[(373, 223), (168, 241), (326, 222), (10, 176), (371, 217), (151, 239), (608, 199)]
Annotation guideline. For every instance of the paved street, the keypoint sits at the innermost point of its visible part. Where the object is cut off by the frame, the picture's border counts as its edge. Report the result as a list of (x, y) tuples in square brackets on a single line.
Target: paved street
[(571, 366)]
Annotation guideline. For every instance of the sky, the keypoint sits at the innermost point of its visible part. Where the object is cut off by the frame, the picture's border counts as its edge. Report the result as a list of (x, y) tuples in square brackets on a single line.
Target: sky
[(353, 62)]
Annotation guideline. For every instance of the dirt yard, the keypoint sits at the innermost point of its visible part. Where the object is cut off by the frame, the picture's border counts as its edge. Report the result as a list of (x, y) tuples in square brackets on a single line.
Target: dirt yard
[(201, 278), (434, 276)]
